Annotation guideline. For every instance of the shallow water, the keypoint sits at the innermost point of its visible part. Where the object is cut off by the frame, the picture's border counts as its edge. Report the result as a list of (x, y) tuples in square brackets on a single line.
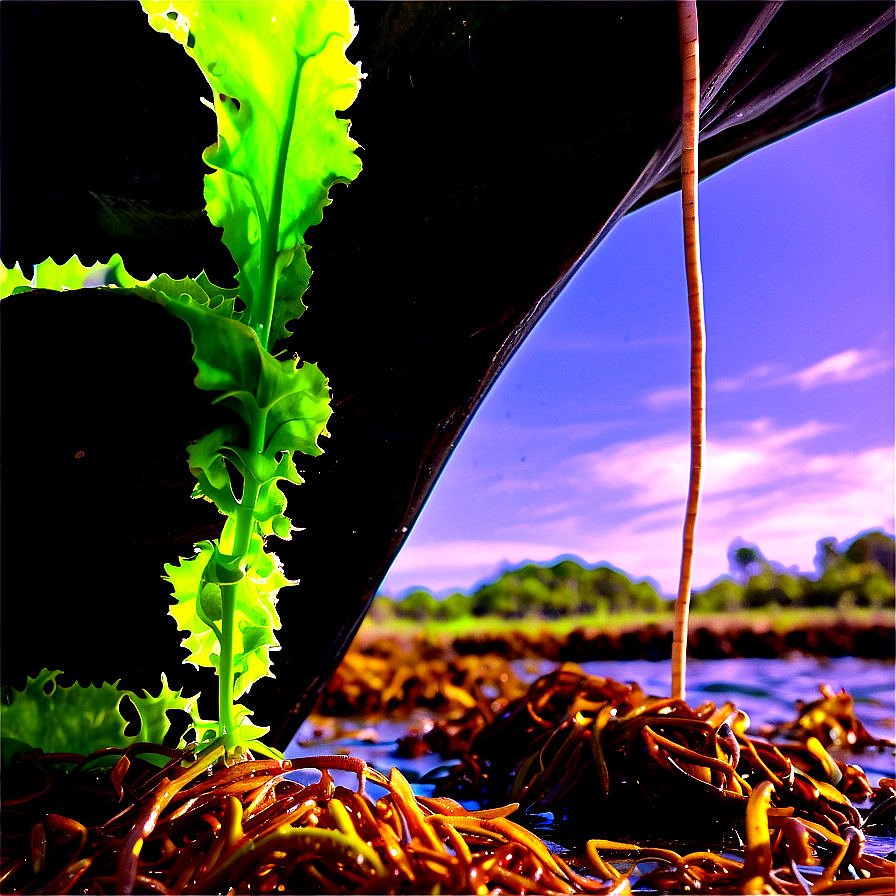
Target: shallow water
[(766, 689)]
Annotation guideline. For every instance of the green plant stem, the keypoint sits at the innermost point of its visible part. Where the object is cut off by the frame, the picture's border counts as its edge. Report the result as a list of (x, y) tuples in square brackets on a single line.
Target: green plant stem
[(239, 549), (263, 307), (226, 723)]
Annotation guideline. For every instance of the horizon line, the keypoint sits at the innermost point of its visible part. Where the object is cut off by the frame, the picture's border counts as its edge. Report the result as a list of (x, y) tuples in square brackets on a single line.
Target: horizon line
[(777, 566)]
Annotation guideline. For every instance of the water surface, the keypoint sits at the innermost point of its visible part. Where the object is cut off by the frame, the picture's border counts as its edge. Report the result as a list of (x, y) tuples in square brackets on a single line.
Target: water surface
[(766, 689)]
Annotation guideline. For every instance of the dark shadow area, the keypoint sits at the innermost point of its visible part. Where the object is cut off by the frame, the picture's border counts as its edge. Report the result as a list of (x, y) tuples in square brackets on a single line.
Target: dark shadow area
[(501, 142)]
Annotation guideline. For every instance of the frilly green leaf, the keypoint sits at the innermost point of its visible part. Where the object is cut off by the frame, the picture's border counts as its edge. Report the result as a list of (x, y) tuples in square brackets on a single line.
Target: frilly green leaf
[(202, 291), (12, 281), (231, 360), (68, 275), (238, 741), (187, 578), (207, 463), (256, 615), (153, 711), (279, 75), (206, 459), (81, 719)]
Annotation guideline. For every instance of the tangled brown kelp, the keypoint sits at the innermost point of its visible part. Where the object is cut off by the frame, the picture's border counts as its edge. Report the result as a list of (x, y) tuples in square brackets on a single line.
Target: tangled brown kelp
[(387, 676), (579, 745), (395, 679), (608, 759), (248, 828), (832, 721)]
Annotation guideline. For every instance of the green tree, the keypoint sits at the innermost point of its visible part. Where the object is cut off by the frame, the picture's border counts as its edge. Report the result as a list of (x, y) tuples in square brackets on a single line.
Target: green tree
[(874, 547), (534, 595), (497, 598), (420, 605), (745, 560), (773, 587), (563, 600), (382, 608), (455, 606), (853, 584), (723, 596), (826, 554), (878, 591), (759, 589), (859, 575), (646, 598)]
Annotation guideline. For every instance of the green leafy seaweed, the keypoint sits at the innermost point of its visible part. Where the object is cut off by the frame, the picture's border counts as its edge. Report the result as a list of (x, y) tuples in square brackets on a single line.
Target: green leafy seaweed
[(279, 75), (81, 719), (69, 275)]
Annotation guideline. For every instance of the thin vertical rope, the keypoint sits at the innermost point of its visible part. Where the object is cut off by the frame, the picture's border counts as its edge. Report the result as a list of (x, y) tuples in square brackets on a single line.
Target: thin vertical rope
[(690, 122)]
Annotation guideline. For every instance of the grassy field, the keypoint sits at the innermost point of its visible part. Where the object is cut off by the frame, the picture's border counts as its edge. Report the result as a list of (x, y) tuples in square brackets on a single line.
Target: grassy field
[(778, 619)]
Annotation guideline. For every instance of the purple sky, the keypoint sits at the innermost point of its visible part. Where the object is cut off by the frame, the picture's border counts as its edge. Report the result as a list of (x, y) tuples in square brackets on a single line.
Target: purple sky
[(581, 447)]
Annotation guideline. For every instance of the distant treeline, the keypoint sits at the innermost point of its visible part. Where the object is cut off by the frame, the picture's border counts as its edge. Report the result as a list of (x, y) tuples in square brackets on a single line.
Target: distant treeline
[(858, 574)]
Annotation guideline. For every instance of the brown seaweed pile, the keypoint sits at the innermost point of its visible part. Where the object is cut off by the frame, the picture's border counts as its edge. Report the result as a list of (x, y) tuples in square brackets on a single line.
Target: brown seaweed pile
[(660, 796), (625, 769), (197, 826), (387, 677), (832, 721)]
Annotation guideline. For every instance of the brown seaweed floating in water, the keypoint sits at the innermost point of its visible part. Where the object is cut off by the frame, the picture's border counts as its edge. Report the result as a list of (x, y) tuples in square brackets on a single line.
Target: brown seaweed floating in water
[(832, 721), (389, 678), (605, 756)]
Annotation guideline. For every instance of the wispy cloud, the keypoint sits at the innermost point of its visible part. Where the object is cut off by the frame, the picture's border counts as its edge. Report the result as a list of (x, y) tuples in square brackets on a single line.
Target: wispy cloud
[(845, 367), (654, 471), (624, 504), (760, 375), (660, 399)]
